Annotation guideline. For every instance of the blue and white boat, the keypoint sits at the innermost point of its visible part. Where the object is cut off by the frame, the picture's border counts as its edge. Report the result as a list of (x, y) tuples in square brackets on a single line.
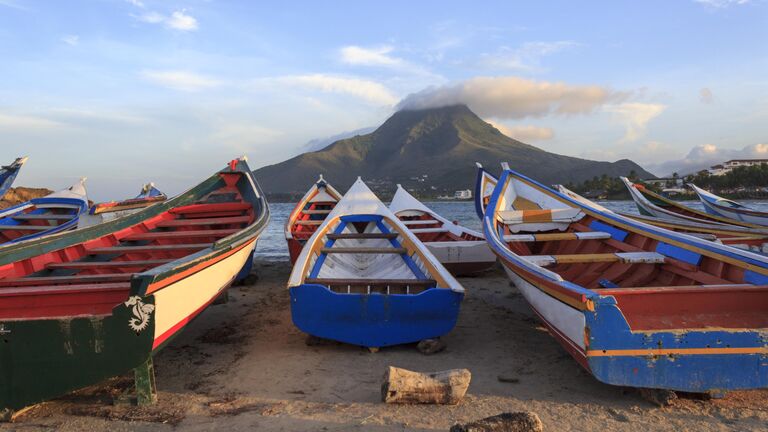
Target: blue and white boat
[(634, 304), (363, 278), (38, 217), (719, 206), (8, 174)]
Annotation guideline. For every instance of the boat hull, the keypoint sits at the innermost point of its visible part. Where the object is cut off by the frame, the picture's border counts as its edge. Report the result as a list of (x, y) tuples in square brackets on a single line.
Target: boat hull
[(463, 257), (374, 320), (294, 249), (690, 360), (750, 217)]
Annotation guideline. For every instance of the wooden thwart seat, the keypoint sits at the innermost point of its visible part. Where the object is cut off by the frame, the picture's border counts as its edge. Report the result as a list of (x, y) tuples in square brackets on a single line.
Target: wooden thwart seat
[(148, 248), (204, 221), (343, 236), (106, 264), (421, 222), (589, 235), (308, 222), (316, 211), (51, 280), (624, 257), (364, 250), (26, 227), (156, 235), (25, 216)]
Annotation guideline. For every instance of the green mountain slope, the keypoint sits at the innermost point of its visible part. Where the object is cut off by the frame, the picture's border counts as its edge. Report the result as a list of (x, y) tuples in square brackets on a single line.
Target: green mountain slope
[(432, 151)]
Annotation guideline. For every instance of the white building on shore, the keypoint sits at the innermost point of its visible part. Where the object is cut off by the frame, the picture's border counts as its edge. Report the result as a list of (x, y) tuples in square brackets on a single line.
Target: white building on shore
[(728, 166)]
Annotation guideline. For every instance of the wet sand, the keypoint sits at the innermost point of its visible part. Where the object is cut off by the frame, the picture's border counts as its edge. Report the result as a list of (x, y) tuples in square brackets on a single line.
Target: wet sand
[(242, 366)]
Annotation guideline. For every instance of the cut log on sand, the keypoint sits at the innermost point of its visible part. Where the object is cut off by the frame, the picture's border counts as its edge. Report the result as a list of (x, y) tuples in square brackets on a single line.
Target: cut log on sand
[(506, 422), (408, 387)]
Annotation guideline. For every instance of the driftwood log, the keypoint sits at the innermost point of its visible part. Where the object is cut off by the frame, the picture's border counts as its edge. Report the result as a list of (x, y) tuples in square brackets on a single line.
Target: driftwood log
[(408, 387), (506, 422)]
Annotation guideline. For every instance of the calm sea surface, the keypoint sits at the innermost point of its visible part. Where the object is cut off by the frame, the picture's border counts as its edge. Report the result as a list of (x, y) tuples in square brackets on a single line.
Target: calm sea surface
[(272, 246)]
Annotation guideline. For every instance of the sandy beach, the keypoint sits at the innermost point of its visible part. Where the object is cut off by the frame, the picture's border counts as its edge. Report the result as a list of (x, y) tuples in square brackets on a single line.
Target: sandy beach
[(242, 365)]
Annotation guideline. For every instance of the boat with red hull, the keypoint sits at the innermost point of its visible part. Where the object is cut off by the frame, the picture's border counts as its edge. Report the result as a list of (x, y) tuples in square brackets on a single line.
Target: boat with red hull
[(85, 305), (459, 249), (634, 304), (309, 213)]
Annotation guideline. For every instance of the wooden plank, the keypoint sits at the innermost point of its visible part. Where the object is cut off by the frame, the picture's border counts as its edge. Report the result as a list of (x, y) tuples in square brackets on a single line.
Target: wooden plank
[(157, 235), (421, 222), (412, 282), (63, 289), (364, 250), (210, 208), (308, 222), (317, 211), (41, 280), (362, 236), (680, 289), (106, 264), (149, 248), (26, 227), (25, 216), (204, 221), (625, 257)]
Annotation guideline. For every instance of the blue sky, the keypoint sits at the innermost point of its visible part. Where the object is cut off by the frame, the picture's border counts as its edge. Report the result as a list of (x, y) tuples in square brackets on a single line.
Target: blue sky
[(126, 92)]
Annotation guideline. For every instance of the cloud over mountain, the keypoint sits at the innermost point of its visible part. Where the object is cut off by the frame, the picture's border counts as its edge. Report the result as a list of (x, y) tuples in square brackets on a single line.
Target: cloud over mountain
[(513, 97)]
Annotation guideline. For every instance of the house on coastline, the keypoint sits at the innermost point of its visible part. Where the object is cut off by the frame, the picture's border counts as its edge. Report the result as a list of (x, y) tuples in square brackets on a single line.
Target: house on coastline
[(728, 166)]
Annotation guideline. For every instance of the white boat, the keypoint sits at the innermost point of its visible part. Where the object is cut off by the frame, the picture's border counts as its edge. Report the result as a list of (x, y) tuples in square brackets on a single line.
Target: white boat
[(460, 249), (723, 207), (363, 278)]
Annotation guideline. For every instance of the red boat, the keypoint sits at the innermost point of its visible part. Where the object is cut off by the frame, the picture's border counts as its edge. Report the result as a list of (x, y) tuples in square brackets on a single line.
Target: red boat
[(309, 213)]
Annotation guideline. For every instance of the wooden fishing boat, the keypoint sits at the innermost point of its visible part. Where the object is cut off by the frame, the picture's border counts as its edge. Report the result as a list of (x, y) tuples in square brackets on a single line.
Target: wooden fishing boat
[(39, 217), (459, 249), (363, 278), (308, 214), (735, 212), (484, 186), (652, 204), (635, 305), (107, 211), (733, 235), (750, 239), (81, 306), (8, 174)]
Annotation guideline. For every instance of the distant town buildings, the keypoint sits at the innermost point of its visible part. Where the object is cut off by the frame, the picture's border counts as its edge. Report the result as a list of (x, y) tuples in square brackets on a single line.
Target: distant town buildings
[(665, 182), (728, 166), (463, 194)]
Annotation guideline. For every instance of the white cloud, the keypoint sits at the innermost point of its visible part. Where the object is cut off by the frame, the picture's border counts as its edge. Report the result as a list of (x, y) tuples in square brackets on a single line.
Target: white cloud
[(370, 91), (705, 155), (242, 137), (706, 96), (719, 4), (180, 80), (12, 4), (513, 97), (136, 3), (635, 117), (378, 56), (71, 40), (178, 20), (527, 57)]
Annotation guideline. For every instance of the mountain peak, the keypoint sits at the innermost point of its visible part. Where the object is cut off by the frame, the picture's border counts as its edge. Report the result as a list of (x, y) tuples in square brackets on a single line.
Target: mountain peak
[(432, 151)]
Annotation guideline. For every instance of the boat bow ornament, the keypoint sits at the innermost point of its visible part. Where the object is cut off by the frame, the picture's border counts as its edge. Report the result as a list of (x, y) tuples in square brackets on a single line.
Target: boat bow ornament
[(141, 313)]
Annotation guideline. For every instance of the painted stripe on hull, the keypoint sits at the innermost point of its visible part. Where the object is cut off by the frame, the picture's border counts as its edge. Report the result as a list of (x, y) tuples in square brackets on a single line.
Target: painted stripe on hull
[(677, 351), (178, 303)]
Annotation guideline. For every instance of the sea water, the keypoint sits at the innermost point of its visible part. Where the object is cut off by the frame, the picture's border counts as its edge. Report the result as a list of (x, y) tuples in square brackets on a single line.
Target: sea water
[(272, 245)]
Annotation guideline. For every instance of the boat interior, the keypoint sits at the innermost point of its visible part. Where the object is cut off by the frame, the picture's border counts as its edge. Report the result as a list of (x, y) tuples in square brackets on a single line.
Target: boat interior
[(364, 254), (312, 214), (36, 218), (656, 285), (428, 228), (91, 277)]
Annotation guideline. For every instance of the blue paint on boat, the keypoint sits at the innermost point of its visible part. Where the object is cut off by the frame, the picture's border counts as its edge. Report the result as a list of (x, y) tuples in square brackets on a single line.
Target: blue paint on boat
[(616, 234), (374, 320), (72, 206), (679, 253), (8, 175)]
